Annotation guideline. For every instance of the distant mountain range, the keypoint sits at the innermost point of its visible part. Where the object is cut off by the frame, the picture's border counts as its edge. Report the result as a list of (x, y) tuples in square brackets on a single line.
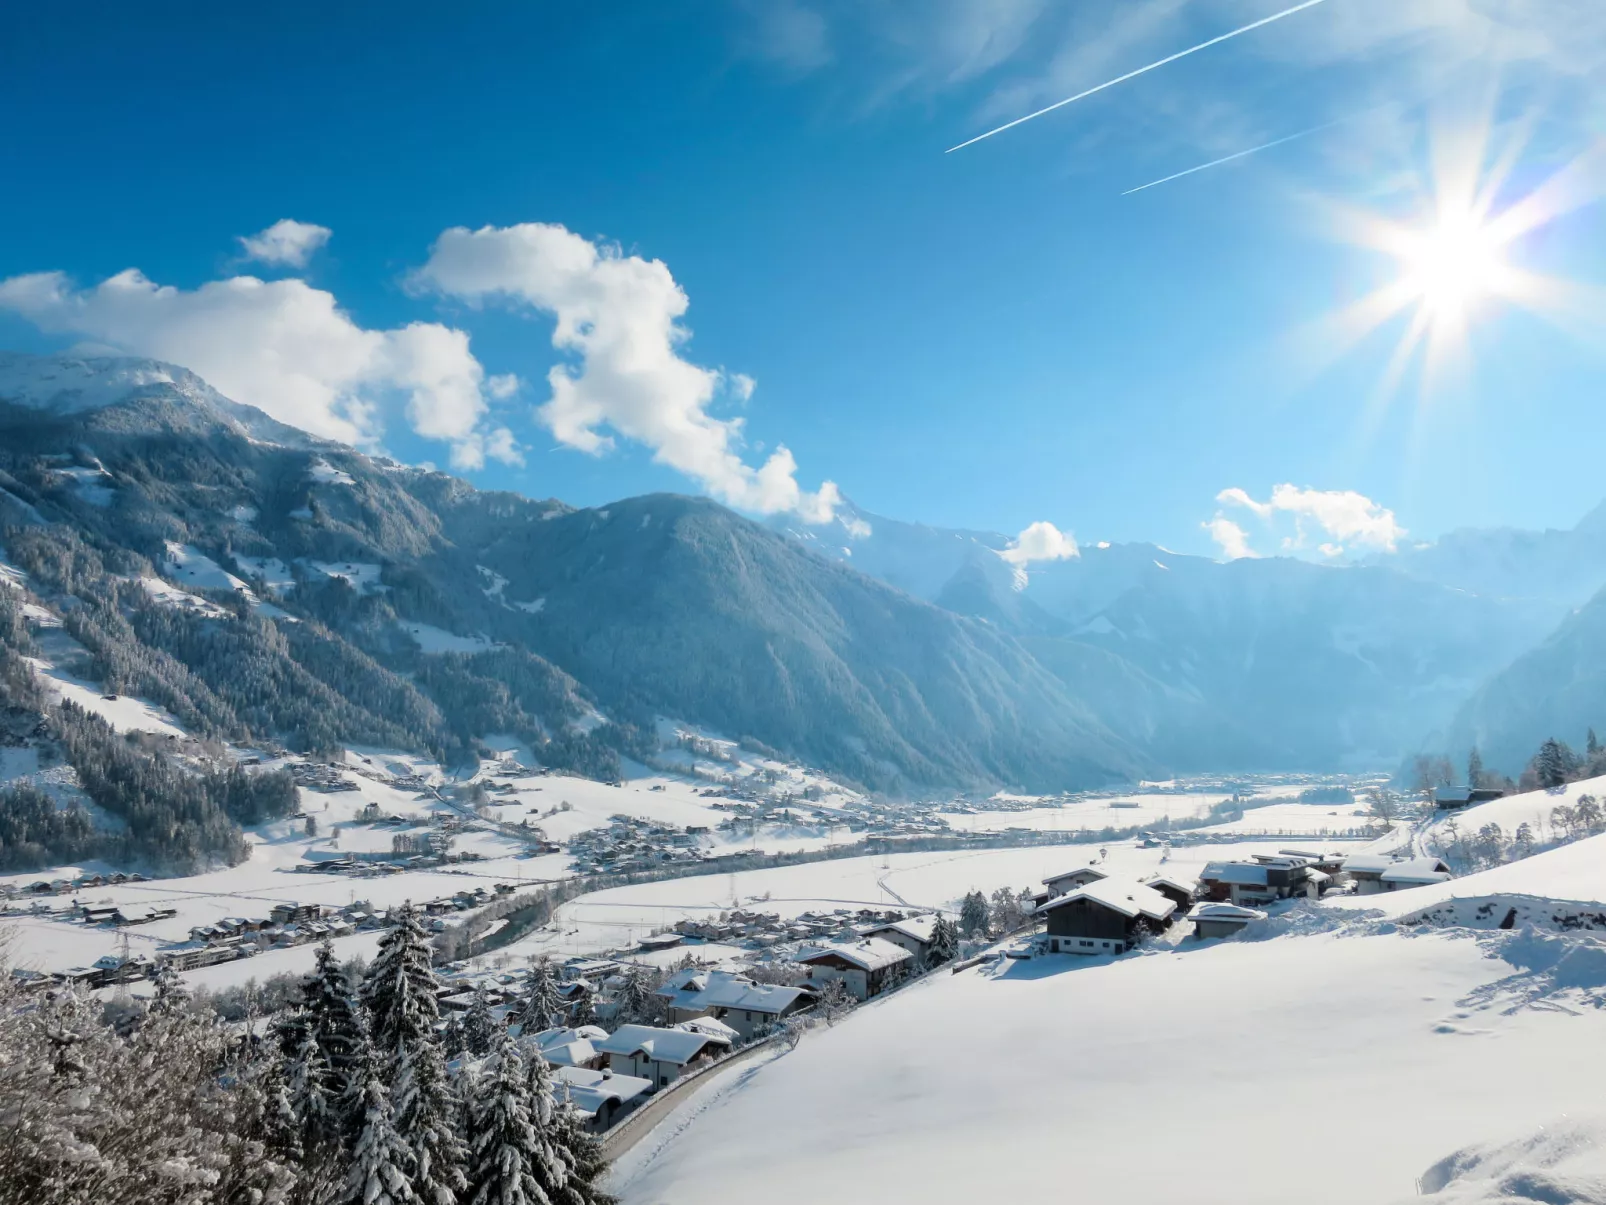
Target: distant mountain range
[(901, 656)]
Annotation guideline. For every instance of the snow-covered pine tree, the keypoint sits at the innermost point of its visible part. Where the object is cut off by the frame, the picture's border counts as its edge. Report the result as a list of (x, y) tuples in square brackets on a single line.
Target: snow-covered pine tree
[(944, 942), (313, 1100), (453, 1041), (399, 995), (510, 1160), (637, 1004), (581, 1154), (543, 1006), (584, 1009), (334, 1019), (974, 915), (172, 993), (382, 1165), (479, 1026)]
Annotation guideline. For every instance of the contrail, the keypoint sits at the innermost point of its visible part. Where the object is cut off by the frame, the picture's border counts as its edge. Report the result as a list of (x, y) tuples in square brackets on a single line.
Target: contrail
[(1264, 146), (1121, 79)]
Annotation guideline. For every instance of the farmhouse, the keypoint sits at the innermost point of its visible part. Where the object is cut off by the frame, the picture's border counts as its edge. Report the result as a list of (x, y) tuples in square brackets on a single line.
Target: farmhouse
[(1106, 917), (660, 1056), (1064, 884), (866, 967), (1456, 798), (1179, 893), (913, 934), (734, 999), (1269, 877)]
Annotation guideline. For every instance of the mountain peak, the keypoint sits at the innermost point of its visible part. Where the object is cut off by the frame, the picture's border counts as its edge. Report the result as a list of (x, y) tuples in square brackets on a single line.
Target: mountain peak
[(80, 384)]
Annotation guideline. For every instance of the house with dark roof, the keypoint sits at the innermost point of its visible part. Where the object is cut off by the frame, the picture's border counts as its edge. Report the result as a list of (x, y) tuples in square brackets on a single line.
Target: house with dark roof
[(1103, 917)]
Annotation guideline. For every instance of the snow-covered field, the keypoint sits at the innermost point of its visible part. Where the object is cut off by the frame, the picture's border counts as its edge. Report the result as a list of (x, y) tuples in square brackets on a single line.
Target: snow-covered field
[(1334, 1067), (1317, 819), (619, 916)]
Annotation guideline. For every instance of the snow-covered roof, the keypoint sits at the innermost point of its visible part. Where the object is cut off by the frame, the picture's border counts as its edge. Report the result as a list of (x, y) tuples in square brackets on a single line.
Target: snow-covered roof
[(1129, 899), (678, 1046), (1369, 863), (693, 990), (920, 928), (1087, 874), (1244, 874), (1418, 870), (1175, 884), (868, 954), (1224, 912), (590, 1090), (710, 1026), (569, 1047)]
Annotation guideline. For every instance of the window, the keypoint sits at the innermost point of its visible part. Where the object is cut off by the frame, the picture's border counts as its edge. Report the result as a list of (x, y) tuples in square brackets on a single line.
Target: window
[(1087, 943)]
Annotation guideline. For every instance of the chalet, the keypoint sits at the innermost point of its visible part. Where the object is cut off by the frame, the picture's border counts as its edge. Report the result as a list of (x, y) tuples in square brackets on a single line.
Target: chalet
[(1105, 917), (602, 1093), (1268, 877), (1374, 873), (913, 934), (1064, 884), (285, 914), (660, 1056), (572, 1047), (866, 967), (1221, 920), (734, 999), (1179, 893), (1456, 798), (1415, 872)]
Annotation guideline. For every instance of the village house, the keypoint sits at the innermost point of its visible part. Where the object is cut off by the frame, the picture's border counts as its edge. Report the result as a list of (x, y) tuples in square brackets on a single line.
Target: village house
[(1064, 884), (1179, 893), (913, 934), (1375, 873), (1268, 878), (1456, 798), (1104, 917), (572, 1047), (660, 1056), (601, 1094), (866, 967), (1221, 920), (734, 999)]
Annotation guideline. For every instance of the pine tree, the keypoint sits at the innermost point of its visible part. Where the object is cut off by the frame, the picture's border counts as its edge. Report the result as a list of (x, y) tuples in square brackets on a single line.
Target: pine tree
[(336, 1024), (1553, 763), (583, 1011), (399, 994), (636, 1001), (453, 1040), (172, 993), (1591, 743), (479, 1027), (944, 942), (307, 1088), (974, 914), (510, 1161), (543, 1006), (581, 1154), (382, 1165), (1474, 768)]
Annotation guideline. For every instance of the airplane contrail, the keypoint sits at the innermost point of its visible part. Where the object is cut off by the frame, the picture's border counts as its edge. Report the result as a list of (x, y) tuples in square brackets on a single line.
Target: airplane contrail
[(1264, 146), (1121, 79)]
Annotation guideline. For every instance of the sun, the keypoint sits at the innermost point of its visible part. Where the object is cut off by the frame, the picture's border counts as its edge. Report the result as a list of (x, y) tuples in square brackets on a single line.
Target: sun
[(1452, 265)]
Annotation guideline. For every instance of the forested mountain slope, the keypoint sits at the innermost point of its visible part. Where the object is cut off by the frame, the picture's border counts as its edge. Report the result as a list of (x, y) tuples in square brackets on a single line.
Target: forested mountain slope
[(259, 583)]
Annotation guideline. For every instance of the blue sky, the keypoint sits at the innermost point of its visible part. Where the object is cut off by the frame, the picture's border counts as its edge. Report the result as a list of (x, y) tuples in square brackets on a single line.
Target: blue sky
[(988, 338)]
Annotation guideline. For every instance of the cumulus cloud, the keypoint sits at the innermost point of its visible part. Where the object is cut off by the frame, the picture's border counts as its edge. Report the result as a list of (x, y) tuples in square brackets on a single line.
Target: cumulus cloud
[(619, 316), (1040, 542), (1348, 519), (285, 244), (284, 347), (1233, 540)]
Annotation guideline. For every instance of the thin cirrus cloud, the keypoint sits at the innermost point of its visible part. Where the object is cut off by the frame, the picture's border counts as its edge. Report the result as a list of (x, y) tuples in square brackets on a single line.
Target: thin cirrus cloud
[(618, 317), (288, 349), (285, 244), (1293, 517)]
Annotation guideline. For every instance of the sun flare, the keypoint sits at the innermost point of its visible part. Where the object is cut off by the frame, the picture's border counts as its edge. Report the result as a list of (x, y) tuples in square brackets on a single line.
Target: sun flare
[(1452, 265)]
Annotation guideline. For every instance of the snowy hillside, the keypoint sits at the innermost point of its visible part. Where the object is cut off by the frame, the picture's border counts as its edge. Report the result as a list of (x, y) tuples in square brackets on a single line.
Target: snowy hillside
[(1249, 1067)]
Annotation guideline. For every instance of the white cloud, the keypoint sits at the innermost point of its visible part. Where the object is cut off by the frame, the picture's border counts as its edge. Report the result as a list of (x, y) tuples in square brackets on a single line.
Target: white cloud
[(1348, 518), (856, 528), (619, 314), (287, 243), (1234, 541), (1040, 542), (282, 346), (785, 32)]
